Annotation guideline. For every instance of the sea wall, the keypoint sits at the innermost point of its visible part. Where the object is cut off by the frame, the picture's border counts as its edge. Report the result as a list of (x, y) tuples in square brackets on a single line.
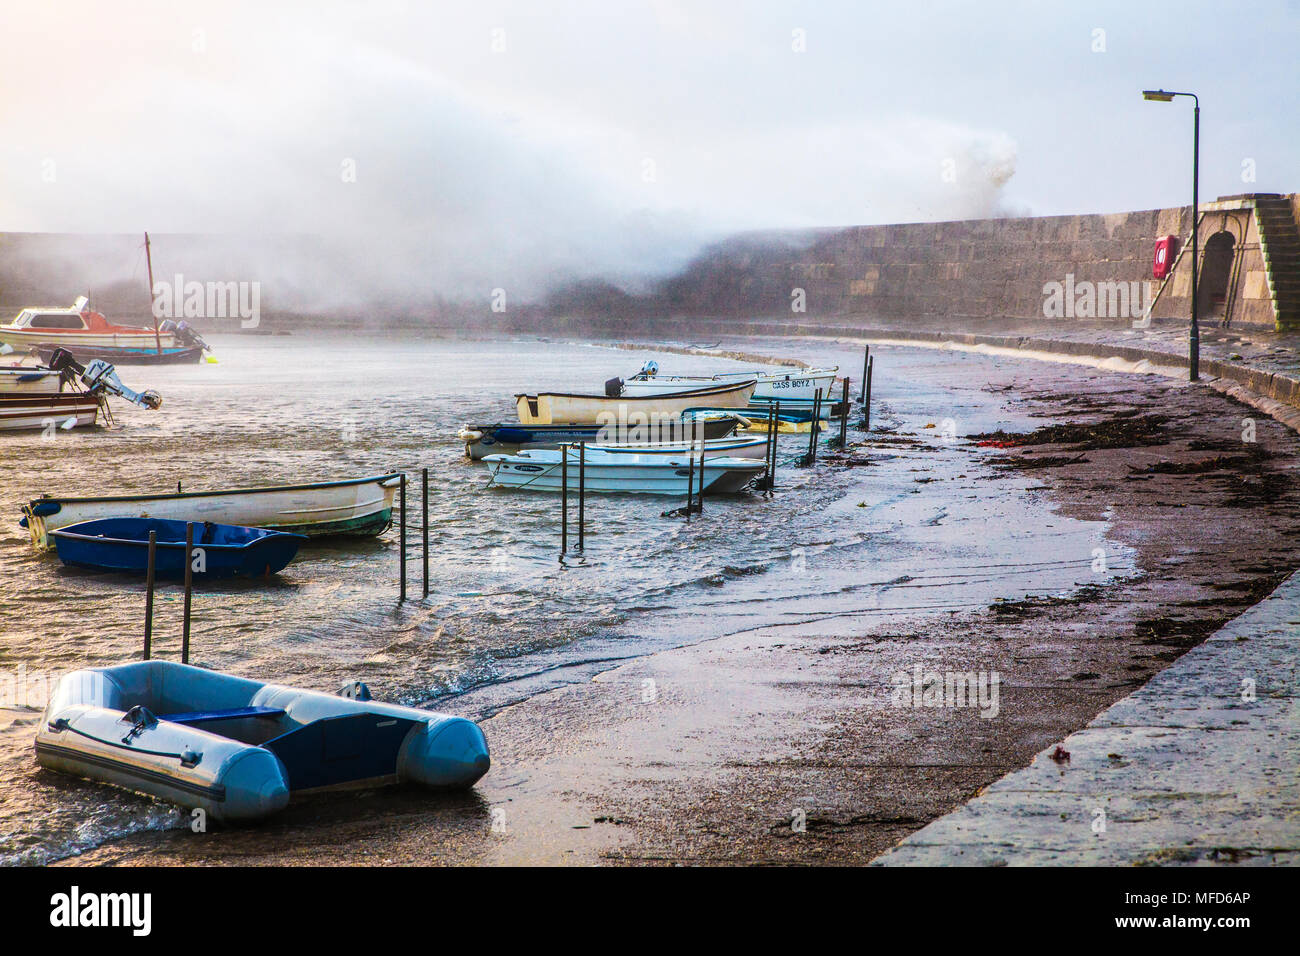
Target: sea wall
[(983, 269), (1085, 267)]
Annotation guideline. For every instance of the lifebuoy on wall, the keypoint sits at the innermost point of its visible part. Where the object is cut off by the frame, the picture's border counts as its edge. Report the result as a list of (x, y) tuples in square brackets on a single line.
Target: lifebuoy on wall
[(1166, 252)]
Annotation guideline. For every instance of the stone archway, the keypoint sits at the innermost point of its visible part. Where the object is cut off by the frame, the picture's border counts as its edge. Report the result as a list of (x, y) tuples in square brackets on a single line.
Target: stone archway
[(1216, 271)]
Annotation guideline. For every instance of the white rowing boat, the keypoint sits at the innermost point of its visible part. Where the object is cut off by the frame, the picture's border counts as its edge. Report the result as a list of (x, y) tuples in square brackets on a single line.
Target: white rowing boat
[(359, 506), (559, 408), (542, 470), (781, 385)]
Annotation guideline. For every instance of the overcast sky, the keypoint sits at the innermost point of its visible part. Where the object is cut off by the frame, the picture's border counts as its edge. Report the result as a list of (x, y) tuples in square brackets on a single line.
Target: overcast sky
[(558, 138)]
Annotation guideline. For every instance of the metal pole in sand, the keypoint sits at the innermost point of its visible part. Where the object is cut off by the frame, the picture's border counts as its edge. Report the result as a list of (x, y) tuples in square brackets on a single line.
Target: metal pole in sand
[(148, 595), (690, 480), (564, 499), (424, 523), (866, 401), (776, 434), (189, 588), (866, 382), (811, 457), (401, 561), (699, 496), (844, 419), (582, 495)]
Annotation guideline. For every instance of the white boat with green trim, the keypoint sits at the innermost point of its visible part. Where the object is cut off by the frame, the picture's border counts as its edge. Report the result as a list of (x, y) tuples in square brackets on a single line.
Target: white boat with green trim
[(542, 469), (357, 506)]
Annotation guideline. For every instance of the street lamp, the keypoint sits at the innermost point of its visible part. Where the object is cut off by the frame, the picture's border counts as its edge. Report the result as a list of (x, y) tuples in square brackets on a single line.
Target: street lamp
[(1194, 342)]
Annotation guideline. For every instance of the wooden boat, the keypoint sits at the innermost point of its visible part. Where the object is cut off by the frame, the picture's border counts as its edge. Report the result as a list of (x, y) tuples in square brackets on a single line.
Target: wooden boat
[(508, 439), (559, 408), (221, 550), (64, 411), (239, 749), (780, 385), (542, 470), (359, 506), (87, 335)]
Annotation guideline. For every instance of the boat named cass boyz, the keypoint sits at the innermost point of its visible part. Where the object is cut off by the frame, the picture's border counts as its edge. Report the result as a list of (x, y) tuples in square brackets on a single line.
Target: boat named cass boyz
[(631, 473), (87, 335), (358, 506), (616, 410), (507, 439), (787, 384), (240, 749), (221, 550)]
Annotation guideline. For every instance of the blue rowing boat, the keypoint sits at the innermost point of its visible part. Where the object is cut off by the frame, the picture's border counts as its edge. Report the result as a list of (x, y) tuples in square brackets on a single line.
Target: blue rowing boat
[(220, 550)]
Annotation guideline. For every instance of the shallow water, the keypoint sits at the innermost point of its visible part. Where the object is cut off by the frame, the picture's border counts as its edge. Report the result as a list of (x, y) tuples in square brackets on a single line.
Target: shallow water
[(504, 613)]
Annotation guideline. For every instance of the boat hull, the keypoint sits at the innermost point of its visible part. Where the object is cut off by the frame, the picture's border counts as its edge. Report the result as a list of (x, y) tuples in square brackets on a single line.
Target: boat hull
[(772, 386), (238, 748), (360, 507), (74, 339), (63, 411), (554, 408), (129, 355), (121, 545), (500, 439), (619, 473)]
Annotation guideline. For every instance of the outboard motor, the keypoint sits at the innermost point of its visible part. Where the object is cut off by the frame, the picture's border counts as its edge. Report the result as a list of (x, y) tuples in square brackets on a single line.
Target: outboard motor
[(99, 376), (185, 333), (614, 388)]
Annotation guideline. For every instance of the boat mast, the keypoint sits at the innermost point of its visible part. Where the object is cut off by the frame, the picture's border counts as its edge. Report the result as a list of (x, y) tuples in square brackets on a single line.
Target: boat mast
[(148, 258)]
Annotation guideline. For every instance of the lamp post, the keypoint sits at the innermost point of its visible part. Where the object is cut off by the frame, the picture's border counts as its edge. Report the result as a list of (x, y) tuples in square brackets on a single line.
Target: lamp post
[(1194, 340)]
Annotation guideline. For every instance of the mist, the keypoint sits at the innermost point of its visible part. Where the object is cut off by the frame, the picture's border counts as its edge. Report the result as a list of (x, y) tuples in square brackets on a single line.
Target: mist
[(346, 154)]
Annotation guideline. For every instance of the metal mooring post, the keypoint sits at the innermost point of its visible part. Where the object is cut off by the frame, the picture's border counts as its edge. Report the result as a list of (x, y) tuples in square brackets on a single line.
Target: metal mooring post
[(424, 523), (699, 492), (564, 499), (189, 588), (582, 495), (866, 400), (844, 419), (811, 457), (776, 435), (690, 480), (401, 559), (866, 382), (148, 595)]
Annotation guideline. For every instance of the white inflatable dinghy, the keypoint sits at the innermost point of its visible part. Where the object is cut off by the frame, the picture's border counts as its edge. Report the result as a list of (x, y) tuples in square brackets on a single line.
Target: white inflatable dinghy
[(239, 748)]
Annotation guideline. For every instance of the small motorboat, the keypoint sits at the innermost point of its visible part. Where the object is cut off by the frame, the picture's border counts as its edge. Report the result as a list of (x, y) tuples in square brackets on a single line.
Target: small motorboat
[(239, 749), (783, 385), (508, 439), (617, 410), (220, 550), (632, 473), (65, 410), (355, 507), (87, 335)]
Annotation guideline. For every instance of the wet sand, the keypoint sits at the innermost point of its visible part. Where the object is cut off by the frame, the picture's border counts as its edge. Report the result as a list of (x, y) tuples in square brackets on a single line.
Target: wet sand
[(716, 752)]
